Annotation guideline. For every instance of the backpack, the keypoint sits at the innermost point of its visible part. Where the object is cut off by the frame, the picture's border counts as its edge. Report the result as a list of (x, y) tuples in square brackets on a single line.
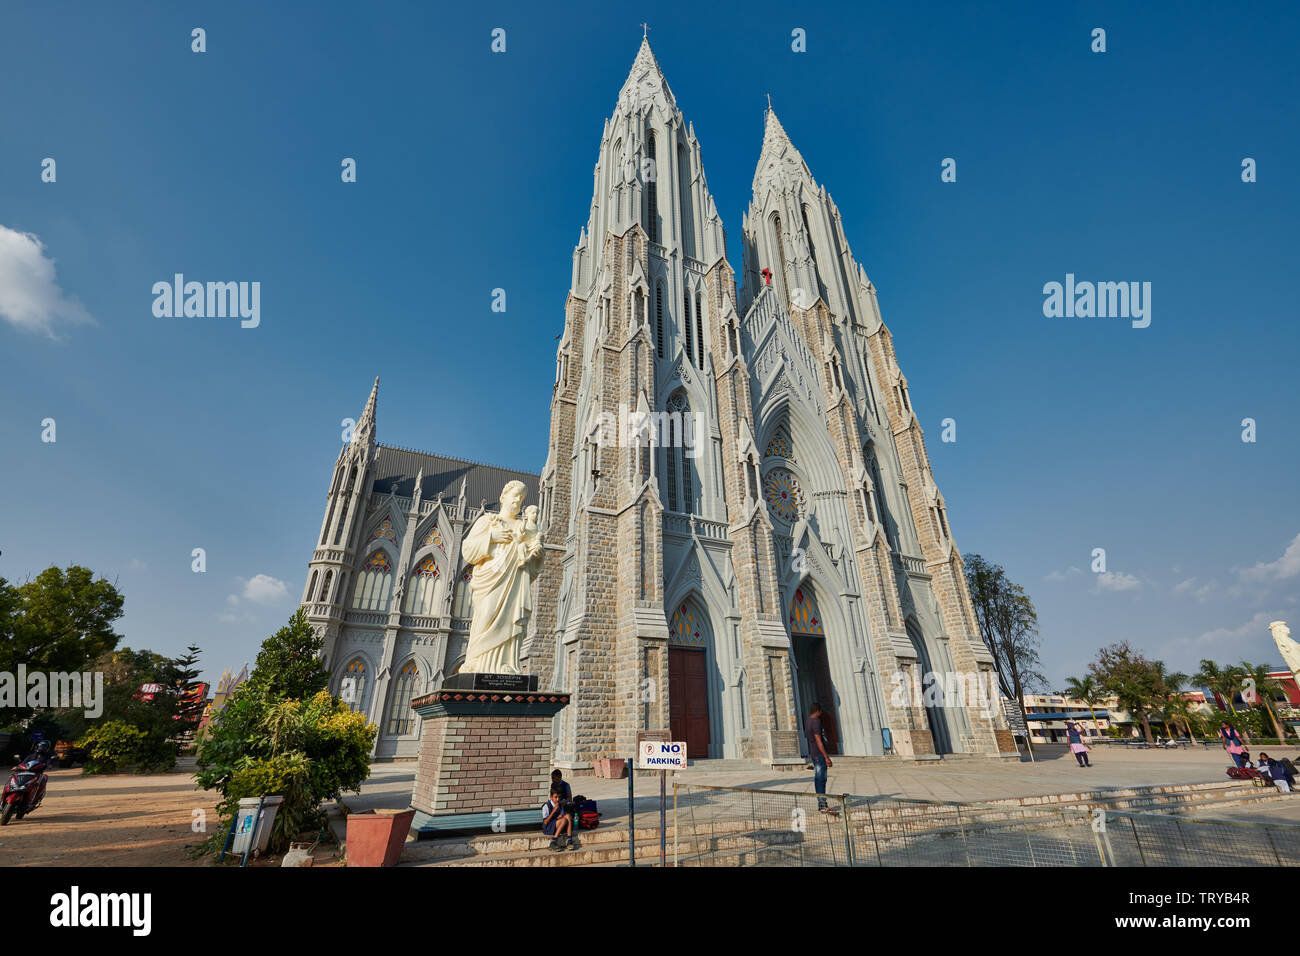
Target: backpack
[(588, 816)]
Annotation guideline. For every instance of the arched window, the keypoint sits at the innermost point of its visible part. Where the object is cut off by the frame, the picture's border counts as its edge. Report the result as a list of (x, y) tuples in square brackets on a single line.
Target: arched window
[(684, 184), (311, 588), (804, 618), (882, 504), (652, 192), (462, 603), (374, 583), (699, 328), (352, 687), (680, 476), (812, 248), (687, 629), (689, 335), (419, 594), (780, 254), (343, 516), (659, 318), (401, 719), (325, 587), (783, 495)]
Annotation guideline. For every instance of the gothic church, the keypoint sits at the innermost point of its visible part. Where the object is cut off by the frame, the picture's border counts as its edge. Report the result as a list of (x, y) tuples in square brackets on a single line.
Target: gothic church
[(781, 539)]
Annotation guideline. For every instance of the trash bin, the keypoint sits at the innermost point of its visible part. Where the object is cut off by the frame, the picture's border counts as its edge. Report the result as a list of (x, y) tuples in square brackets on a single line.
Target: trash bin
[(245, 828)]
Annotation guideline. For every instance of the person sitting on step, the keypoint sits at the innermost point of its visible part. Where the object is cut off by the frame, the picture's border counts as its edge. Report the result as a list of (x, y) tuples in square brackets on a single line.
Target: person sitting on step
[(556, 823)]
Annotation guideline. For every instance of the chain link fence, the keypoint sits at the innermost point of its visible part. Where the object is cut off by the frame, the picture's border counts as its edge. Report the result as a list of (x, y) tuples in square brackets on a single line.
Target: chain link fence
[(734, 826)]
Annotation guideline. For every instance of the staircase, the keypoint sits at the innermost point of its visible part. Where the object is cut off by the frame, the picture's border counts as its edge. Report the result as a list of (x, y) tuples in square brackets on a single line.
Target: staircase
[(771, 842)]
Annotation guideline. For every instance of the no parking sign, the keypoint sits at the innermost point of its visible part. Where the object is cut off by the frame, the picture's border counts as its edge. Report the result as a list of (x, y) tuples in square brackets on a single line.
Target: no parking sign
[(662, 755)]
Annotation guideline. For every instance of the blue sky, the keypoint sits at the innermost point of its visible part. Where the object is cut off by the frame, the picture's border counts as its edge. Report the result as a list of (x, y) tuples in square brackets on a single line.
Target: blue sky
[(474, 172)]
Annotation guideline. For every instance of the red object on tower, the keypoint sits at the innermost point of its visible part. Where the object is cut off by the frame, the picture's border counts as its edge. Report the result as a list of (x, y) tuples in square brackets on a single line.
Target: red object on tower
[(766, 273)]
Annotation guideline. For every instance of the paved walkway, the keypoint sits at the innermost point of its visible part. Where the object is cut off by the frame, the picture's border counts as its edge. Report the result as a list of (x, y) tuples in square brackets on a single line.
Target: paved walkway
[(963, 779)]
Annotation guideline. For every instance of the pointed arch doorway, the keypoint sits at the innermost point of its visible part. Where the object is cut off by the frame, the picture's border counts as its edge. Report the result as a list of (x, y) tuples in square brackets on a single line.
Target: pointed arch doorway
[(812, 664), (688, 679)]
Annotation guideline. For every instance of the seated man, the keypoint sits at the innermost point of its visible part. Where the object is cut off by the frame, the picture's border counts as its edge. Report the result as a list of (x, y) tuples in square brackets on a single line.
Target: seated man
[(556, 823)]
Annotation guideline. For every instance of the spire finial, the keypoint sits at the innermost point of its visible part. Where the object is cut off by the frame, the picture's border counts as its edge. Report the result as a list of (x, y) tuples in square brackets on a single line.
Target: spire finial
[(645, 31), (769, 102)]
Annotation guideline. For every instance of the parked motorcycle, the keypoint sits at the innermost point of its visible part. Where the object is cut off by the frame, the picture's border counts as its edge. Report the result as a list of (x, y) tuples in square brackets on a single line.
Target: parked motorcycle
[(26, 787)]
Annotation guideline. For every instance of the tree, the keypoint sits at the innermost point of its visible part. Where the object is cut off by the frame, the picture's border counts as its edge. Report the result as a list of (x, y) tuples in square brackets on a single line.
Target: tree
[(191, 701), (1138, 683), (1262, 688), (125, 674), (282, 733), (1087, 691), (1009, 625), (1221, 680), (60, 621), (288, 665)]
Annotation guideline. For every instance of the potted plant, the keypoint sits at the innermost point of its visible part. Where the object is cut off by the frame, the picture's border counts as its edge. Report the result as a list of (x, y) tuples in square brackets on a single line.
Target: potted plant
[(376, 837)]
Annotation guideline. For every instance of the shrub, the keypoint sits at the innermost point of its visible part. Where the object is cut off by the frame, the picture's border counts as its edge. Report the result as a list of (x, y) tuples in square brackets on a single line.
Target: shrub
[(112, 746)]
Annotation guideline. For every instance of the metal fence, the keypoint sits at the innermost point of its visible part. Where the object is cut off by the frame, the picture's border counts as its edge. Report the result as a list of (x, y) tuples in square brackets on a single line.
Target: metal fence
[(733, 826)]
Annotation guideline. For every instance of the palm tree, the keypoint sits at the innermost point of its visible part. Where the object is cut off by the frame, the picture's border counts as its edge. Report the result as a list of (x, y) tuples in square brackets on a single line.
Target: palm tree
[(1087, 691), (1222, 680), (1265, 689)]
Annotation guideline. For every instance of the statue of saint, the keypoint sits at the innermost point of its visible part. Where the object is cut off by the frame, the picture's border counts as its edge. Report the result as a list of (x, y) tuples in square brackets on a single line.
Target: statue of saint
[(1290, 649), (506, 552)]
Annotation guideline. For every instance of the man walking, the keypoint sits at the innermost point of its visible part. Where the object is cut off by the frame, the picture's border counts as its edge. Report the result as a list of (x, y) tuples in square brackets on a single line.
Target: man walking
[(812, 728)]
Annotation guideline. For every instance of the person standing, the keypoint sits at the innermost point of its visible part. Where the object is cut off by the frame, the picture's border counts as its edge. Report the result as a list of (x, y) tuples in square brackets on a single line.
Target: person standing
[(1077, 746), (1232, 743), (821, 761)]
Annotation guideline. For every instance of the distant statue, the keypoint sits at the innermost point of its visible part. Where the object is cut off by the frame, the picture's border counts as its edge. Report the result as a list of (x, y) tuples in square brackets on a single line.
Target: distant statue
[(1289, 648), (506, 552)]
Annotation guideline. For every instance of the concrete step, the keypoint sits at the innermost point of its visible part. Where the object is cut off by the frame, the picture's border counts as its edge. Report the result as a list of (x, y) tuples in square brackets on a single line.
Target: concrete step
[(768, 840)]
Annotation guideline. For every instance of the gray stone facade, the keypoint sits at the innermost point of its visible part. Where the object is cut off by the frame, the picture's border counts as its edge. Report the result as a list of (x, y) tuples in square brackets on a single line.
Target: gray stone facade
[(782, 538)]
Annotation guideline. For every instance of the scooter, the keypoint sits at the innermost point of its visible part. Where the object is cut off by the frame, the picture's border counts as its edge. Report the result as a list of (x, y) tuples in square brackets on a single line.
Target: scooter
[(25, 789)]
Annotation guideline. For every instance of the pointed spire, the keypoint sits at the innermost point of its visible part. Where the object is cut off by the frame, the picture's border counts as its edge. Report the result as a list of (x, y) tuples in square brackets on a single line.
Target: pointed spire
[(645, 80), (778, 149), (365, 428)]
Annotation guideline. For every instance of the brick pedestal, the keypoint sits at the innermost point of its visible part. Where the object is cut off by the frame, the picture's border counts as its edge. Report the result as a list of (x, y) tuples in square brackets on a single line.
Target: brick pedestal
[(485, 758)]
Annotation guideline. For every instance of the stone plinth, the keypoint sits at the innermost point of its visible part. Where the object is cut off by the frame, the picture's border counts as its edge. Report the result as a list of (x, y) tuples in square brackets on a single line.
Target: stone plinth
[(485, 758)]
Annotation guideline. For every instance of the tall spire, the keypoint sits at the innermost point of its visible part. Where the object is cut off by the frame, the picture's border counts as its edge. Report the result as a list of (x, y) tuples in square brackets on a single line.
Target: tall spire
[(365, 429), (777, 149), (645, 81)]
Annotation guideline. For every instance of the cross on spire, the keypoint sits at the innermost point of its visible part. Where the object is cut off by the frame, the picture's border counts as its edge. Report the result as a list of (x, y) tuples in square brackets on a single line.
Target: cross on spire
[(769, 101), (645, 31)]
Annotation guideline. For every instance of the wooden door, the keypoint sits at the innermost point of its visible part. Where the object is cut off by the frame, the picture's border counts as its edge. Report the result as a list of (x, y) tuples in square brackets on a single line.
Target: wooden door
[(688, 699), (825, 695)]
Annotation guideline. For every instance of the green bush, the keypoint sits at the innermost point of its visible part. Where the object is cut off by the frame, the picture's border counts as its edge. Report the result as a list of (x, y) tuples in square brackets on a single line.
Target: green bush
[(112, 746)]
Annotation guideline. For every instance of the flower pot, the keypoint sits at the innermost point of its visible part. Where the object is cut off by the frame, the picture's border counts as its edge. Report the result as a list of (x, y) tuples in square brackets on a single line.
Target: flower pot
[(609, 767), (376, 837)]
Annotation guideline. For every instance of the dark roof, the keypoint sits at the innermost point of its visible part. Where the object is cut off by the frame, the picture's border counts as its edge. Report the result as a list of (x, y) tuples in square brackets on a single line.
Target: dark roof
[(483, 482)]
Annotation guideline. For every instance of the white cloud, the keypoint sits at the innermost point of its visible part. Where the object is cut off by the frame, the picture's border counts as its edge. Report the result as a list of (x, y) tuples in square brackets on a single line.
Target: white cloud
[(1062, 575), (1287, 566), (264, 589), (30, 298), (1117, 581), (1228, 643), (1201, 593)]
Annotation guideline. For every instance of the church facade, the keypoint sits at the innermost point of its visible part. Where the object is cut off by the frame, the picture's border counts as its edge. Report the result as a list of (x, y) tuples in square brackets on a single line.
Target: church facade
[(739, 511)]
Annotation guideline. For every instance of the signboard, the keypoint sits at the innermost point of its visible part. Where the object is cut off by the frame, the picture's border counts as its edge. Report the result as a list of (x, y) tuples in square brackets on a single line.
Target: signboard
[(662, 755)]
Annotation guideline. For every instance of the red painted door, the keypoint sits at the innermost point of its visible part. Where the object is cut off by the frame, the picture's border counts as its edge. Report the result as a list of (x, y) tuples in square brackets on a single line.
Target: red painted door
[(826, 696), (688, 699)]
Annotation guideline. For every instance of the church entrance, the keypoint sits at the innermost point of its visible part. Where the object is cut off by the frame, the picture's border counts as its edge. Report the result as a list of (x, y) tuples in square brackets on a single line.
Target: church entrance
[(688, 699), (812, 665)]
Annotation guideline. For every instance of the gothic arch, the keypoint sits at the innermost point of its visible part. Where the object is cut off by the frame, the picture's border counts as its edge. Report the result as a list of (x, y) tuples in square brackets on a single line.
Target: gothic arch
[(365, 692), (399, 720), (928, 662)]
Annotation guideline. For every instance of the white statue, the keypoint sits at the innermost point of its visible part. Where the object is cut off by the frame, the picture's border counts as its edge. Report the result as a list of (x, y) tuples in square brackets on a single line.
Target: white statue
[(506, 552), (1289, 648)]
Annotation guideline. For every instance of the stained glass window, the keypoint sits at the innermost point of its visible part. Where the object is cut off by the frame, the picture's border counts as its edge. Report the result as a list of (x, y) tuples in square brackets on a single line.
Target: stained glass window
[(419, 596), (781, 489), (434, 537), (400, 716), (385, 530), (374, 583), (804, 618), (686, 627), (352, 688), (779, 445), (463, 601)]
